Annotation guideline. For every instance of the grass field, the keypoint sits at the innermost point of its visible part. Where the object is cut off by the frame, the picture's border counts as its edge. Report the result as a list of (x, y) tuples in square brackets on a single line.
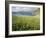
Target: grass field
[(23, 23)]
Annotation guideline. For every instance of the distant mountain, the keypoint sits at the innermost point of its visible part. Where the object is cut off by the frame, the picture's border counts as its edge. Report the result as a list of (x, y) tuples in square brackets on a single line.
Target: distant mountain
[(22, 13)]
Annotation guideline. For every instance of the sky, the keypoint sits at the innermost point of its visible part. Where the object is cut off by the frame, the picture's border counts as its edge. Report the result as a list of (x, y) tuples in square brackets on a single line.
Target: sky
[(22, 10)]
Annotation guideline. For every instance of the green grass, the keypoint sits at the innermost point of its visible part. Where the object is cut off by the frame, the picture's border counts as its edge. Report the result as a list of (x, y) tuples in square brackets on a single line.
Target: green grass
[(23, 23)]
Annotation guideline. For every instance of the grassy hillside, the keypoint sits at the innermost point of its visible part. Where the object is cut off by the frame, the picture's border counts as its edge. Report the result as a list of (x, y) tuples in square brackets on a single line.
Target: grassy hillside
[(36, 12), (21, 23)]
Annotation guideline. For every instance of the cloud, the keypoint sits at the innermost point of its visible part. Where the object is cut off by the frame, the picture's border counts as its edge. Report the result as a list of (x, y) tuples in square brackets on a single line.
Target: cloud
[(22, 11), (25, 9)]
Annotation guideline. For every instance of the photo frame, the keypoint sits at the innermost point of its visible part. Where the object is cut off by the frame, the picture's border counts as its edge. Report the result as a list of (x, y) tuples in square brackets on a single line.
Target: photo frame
[(24, 18)]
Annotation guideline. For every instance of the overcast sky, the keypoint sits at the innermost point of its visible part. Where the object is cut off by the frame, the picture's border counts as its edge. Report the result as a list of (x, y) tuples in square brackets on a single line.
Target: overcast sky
[(17, 9), (22, 11)]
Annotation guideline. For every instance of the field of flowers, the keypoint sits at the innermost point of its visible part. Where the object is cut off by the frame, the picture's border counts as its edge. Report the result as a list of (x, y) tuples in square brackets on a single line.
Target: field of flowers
[(23, 23)]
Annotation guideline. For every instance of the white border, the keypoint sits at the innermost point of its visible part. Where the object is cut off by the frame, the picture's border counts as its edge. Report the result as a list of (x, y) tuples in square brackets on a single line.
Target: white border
[(25, 32)]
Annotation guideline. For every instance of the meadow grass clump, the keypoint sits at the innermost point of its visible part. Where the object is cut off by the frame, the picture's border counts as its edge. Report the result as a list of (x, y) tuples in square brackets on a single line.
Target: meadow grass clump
[(21, 23)]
